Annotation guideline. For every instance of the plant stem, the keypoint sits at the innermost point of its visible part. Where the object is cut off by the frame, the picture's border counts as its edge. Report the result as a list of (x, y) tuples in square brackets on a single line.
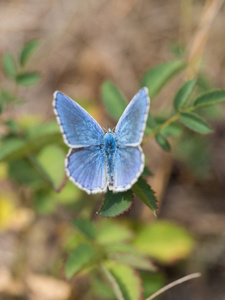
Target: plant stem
[(161, 127)]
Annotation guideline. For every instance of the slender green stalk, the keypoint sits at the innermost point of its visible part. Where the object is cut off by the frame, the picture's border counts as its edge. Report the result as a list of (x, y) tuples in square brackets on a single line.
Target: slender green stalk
[(171, 120)]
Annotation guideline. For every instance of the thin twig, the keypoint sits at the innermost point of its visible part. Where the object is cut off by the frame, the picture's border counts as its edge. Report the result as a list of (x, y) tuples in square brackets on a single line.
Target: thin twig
[(210, 11), (172, 284)]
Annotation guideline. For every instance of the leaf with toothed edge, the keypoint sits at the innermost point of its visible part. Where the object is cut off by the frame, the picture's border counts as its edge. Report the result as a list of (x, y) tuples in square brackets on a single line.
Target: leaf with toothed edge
[(143, 191), (115, 204)]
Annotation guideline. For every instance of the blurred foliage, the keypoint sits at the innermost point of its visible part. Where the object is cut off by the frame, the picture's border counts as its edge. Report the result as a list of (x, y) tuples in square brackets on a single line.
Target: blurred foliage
[(32, 157)]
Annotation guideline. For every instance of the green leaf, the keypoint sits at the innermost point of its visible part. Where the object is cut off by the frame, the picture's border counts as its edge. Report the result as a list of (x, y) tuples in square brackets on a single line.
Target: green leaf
[(147, 172), (51, 159), (195, 123), (157, 281), (80, 258), (9, 65), (13, 126), (100, 289), (23, 172), (86, 227), (173, 130), (209, 98), (69, 194), (111, 233), (39, 136), (135, 260), (125, 281), (150, 124), (113, 100), (6, 95), (157, 77), (116, 204), (183, 94), (162, 142), (27, 51), (27, 79), (165, 241), (128, 254), (143, 191)]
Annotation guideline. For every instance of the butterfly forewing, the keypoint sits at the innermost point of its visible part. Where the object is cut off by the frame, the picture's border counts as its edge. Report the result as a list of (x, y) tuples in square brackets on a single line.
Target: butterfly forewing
[(78, 127), (131, 125)]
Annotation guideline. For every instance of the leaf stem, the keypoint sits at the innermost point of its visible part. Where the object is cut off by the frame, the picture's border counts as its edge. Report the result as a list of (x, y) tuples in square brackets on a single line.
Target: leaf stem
[(172, 119), (161, 127)]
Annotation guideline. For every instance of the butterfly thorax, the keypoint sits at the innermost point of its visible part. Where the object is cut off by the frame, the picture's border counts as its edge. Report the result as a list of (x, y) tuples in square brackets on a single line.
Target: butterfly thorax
[(109, 141), (110, 148)]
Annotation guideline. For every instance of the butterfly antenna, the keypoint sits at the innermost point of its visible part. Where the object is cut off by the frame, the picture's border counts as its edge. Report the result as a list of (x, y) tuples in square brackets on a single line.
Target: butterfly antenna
[(104, 129)]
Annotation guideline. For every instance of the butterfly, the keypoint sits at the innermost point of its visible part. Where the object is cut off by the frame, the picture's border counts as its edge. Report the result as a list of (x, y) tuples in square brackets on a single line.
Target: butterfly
[(97, 160)]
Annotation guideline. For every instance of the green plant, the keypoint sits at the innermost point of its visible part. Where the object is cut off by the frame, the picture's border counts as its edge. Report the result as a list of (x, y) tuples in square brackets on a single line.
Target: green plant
[(119, 251)]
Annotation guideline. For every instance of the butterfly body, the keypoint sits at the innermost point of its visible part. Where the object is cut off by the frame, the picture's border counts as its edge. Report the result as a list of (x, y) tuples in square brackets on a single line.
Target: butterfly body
[(97, 161)]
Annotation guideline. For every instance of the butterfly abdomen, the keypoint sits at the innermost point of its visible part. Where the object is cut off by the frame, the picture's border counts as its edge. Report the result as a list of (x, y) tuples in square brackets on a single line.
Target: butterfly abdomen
[(110, 148)]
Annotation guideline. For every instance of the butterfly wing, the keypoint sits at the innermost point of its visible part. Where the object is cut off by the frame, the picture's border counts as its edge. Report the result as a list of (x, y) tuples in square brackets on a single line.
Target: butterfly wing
[(130, 128), (85, 167), (79, 129), (129, 164), (129, 157)]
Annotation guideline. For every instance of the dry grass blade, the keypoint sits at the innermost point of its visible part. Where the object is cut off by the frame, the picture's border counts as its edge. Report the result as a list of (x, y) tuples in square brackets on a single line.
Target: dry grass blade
[(171, 285)]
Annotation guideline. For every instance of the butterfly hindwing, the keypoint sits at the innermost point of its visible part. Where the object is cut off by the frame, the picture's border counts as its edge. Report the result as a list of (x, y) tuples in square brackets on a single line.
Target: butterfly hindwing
[(85, 167), (129, 164), (131, 125), (79, 129)]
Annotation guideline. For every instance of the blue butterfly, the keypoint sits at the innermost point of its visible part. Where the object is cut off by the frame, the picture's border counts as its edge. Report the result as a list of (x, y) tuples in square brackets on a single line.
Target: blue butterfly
[(97, 161)]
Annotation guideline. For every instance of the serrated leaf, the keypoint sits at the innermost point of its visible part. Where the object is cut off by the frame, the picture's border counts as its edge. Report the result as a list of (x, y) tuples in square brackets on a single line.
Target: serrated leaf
[(183, 94), (209, 98), (86, 227), (195, 122), (164, 241), (157, 77), (27, 79), (143, 191), (115, 204), (9, 65), (113, 100), (51, 160), (27, 51), (162, 142), (80, 258), (125, 281), (147, 172)]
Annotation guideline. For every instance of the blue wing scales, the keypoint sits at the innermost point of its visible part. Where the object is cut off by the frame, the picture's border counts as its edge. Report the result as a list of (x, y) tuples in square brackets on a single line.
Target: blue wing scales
[(129, 164), (79, 129), (131, 125), (86, 168)]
